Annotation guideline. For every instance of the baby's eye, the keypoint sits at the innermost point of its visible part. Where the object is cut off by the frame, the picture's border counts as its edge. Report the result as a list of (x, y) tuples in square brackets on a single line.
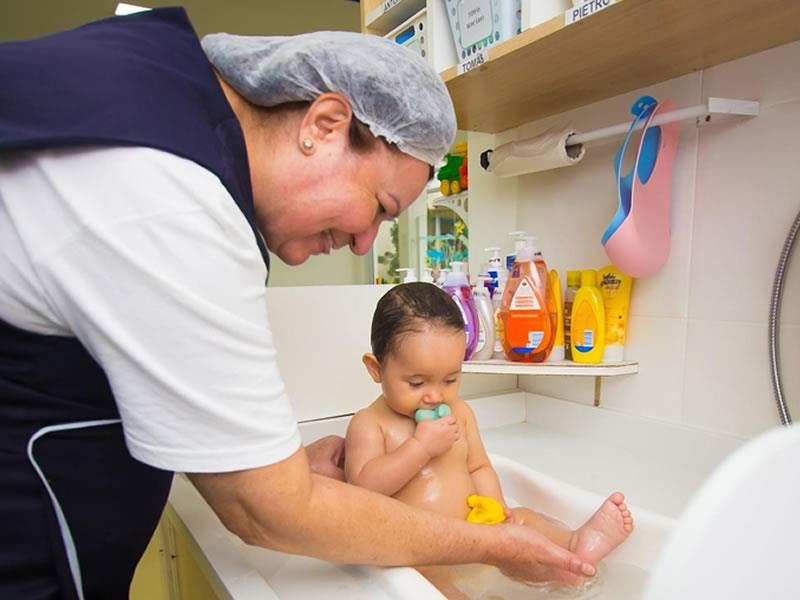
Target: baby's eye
[(450, 381), (416, 384)]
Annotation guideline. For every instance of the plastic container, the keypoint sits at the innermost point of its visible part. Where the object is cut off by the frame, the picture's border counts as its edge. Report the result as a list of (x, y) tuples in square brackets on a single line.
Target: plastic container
[(456, 284), (479, 24), (528, 309), (518, 242), (497, 302), (615, 287), (557, 353), (486, 334), (588, 336), (573, 284)]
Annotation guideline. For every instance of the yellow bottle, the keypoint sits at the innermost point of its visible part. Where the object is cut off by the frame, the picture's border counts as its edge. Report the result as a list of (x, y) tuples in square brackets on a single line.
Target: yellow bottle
[(557, 353), (616, 289), (588, 335)]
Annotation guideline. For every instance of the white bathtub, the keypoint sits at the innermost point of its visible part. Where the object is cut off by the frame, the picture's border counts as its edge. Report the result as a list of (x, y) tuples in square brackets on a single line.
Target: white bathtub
[(596, 463)]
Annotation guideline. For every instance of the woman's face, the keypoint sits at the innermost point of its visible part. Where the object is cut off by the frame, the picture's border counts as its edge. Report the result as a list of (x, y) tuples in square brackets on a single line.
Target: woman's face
[(335, 197)]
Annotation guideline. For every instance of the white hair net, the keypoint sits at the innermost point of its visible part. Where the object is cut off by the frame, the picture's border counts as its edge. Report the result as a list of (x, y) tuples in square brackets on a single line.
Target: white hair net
[(391, 89)]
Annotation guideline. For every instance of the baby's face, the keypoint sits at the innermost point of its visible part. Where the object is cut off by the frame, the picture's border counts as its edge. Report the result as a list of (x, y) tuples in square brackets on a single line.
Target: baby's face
[(423, 370)]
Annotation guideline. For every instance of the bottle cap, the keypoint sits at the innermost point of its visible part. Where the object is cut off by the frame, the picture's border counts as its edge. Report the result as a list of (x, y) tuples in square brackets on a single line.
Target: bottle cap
[(573, 278), (410, 274), (589, 278), (427, 275), (495, 260)]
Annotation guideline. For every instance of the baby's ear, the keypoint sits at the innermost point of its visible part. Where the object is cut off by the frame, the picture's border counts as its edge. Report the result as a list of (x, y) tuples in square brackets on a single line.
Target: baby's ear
[(373, 366)]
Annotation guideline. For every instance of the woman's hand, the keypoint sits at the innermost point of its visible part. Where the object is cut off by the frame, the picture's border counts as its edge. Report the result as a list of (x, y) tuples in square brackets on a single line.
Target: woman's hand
[(528, 555), (326, 457), (437, 437)]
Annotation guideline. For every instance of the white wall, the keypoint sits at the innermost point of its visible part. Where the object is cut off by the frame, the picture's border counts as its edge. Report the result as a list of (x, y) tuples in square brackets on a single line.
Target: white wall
[(320, 336), (699, 327)]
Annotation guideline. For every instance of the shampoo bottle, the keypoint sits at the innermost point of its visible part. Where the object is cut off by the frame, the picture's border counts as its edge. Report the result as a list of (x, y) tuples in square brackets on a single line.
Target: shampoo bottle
[(588, 335), (457, 286), (557, 353), (497, 302), (573, 284), (518, 242), (526, 312), (616, 289), (486, 335)]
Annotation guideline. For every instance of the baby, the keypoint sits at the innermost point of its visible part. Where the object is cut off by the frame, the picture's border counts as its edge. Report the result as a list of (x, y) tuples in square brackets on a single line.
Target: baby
[(418, 344)]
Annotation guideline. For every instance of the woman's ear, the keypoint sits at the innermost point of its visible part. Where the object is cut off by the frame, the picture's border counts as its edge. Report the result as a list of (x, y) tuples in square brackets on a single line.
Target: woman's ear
[(327, 119), (373, 366)]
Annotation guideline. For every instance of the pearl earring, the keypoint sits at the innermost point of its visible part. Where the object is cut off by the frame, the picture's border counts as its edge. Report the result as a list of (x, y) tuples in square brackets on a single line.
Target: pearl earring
[(308, 143)]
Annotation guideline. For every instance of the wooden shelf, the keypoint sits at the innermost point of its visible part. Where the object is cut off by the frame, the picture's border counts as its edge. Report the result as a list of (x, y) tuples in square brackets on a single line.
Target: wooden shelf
[(564, 367), (552, 68)]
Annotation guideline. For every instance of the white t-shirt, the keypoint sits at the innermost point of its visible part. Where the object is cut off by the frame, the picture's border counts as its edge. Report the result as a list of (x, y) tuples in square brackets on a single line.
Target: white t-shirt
[(146, 259)]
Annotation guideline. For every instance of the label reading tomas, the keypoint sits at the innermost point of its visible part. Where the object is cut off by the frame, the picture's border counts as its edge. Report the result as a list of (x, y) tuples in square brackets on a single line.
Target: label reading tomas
[(588, 8), (478, 58)]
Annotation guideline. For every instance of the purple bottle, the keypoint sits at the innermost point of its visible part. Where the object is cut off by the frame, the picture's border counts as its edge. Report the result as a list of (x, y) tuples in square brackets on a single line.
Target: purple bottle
[(457, 286)]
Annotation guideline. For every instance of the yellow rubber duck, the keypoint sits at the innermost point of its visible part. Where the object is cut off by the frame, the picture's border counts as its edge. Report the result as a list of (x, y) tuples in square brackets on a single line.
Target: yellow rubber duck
[(485, 510)]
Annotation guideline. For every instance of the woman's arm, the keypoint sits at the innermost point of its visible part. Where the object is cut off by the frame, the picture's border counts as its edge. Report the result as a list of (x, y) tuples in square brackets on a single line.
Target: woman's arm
[(285, 507)]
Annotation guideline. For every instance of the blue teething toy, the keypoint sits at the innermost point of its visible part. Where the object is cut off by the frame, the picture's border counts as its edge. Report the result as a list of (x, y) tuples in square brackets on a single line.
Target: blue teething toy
[(431, 414)]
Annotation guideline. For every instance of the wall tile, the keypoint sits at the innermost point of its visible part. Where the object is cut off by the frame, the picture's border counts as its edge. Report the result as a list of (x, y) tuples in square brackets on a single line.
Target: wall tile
[(659, 346), (769, 77), (748, 194), (789, 358), (727, 386)]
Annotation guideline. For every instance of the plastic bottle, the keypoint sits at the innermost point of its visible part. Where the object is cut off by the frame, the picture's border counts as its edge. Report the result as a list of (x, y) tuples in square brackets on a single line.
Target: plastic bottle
[(573, 284), (486, 335), (527, 311), (497, 302), (615, 287), (410, 274), (518, 242), (442, 276), (427, 275), (557, 353), (588, 336), (457, 285)]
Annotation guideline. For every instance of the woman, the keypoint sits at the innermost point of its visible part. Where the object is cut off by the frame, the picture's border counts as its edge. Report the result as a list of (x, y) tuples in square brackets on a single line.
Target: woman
[(142, 179)]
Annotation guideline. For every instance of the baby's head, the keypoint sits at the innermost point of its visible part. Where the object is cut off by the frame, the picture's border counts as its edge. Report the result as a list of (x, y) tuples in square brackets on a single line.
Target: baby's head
[(418, 343)]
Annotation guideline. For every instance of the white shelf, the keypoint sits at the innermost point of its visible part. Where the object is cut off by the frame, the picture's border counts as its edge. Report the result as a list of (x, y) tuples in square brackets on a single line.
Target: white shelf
[(563, 367), (389, 14)]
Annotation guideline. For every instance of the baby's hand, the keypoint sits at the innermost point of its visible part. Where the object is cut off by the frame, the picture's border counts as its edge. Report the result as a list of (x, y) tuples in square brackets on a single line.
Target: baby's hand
[(437, 437)]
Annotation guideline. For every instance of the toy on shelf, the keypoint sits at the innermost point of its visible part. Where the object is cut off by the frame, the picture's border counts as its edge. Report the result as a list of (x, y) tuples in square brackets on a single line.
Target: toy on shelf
[(453, 176)]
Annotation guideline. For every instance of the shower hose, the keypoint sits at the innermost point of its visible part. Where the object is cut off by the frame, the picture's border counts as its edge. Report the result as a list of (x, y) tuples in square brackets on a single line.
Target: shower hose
[(774, 322)]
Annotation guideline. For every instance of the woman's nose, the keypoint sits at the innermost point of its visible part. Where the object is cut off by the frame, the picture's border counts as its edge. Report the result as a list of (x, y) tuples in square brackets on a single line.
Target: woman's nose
[(362, 242)]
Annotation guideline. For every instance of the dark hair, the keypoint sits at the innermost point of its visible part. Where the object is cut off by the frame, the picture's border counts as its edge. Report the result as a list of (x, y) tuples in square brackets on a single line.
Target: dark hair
[(408, 308)]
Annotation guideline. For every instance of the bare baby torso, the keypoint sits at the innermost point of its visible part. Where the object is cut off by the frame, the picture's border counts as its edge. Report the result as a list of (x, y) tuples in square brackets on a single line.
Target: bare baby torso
[(444, 483)]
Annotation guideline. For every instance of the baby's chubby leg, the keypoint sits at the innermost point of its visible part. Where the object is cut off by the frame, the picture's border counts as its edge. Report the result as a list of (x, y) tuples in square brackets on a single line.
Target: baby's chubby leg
[(604, 531)]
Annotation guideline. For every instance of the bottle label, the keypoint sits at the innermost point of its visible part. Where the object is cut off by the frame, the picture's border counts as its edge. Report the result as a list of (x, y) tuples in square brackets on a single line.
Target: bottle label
[(535, 338), (524, 297)]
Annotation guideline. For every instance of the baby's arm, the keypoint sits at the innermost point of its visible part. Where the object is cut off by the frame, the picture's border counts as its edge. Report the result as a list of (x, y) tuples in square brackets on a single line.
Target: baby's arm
[(368, 465), (480, 467)]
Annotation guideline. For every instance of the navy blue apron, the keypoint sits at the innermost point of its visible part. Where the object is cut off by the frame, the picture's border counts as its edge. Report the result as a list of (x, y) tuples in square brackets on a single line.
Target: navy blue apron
[(76, 510)]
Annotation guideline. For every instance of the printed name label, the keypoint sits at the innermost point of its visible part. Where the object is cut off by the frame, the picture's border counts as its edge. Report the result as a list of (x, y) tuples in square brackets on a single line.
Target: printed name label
[(480, 57), (389, 4), (588, 8)]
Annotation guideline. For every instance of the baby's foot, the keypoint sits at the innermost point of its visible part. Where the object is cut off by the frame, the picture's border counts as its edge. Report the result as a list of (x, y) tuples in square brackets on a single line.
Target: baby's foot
[(604, 531)]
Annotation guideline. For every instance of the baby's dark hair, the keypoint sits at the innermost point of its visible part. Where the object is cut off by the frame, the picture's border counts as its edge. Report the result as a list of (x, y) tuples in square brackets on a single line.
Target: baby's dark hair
[(409, 308)]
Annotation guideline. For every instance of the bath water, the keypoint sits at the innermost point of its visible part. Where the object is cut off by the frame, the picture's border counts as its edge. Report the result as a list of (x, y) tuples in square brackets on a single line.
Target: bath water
[(614, 581)]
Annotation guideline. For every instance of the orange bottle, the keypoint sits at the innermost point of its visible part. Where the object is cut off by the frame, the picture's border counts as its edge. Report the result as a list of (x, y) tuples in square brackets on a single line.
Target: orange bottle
[(528, 311)]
